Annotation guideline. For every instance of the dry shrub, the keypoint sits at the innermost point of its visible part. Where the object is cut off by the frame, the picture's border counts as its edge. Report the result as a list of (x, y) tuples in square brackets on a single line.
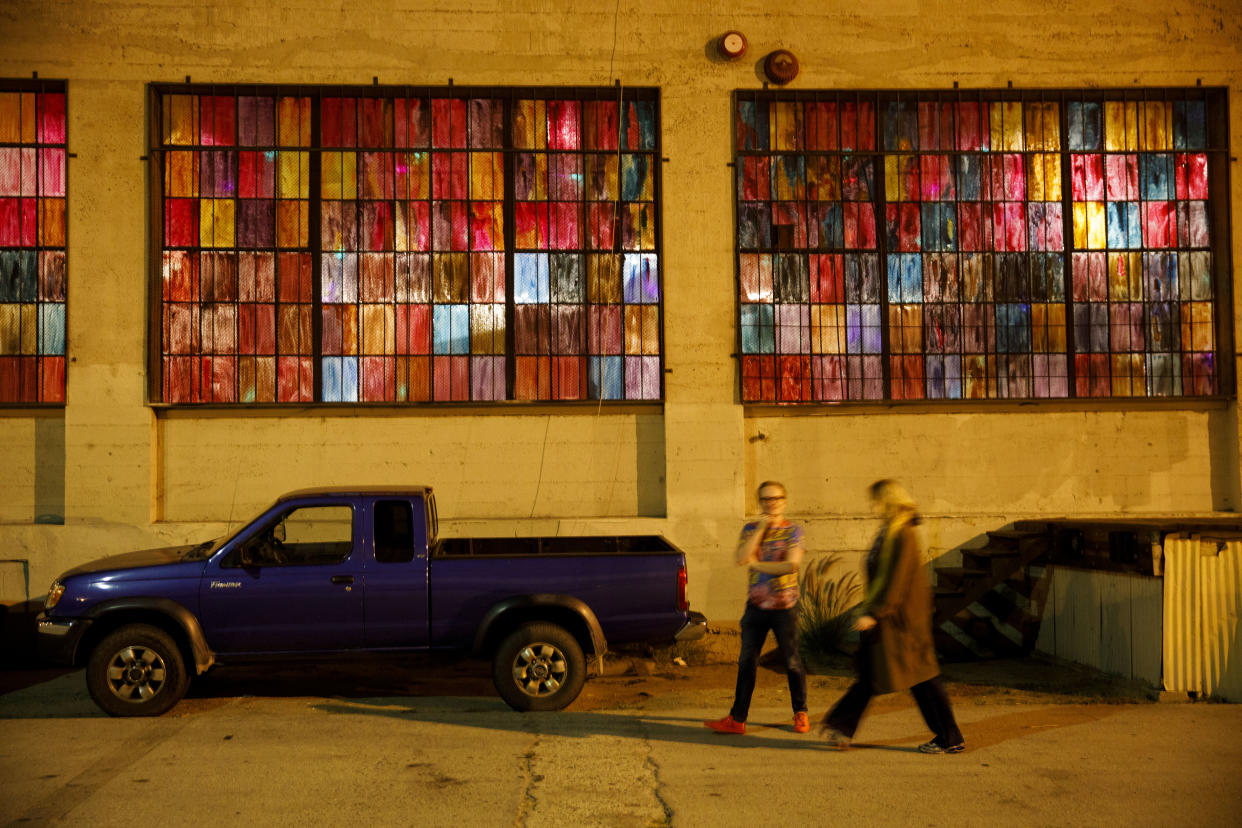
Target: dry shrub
[(830, 590)]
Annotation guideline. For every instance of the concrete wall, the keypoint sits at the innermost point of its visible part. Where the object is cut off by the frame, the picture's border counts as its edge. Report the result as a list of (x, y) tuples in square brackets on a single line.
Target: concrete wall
[(686, 468)]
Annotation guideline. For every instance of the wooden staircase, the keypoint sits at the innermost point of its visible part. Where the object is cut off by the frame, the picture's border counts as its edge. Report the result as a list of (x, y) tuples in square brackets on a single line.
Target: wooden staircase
[(990, 606)]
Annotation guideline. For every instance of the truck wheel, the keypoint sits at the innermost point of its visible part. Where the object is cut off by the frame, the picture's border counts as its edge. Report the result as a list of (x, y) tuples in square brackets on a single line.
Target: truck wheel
[(539, 667), (136, 671)]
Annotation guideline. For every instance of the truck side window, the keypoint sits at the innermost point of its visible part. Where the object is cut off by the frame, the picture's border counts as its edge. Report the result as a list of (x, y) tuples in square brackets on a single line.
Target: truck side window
[(394, 531), (306, 536)]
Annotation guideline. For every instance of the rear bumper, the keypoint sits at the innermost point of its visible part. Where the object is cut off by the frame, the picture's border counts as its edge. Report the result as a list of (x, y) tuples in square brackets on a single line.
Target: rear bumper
[(57, 638), (694, 628)]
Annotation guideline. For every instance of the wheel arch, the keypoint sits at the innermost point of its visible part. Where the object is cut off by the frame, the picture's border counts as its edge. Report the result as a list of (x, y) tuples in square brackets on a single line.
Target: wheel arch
[(564, 610), (162, 613)]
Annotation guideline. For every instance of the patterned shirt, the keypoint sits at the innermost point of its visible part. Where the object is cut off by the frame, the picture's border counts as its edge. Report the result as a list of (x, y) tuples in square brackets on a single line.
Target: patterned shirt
[(774, 591)]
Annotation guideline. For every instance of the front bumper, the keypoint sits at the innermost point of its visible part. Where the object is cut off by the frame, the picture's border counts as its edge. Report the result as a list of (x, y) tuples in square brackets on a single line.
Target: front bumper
[(58, 638), (694, 628)]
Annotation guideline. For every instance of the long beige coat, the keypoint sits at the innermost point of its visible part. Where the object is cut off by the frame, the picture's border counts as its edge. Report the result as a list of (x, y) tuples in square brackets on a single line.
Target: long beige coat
[(900, 647)]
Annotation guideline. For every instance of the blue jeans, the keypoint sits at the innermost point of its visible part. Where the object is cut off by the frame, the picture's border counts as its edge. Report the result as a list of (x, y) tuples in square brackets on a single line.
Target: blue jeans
[(755, 625)]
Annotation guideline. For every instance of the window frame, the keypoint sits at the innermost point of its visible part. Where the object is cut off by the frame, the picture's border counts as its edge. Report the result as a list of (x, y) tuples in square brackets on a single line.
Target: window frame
[(1218, 223), (590, 381), (41, 86)]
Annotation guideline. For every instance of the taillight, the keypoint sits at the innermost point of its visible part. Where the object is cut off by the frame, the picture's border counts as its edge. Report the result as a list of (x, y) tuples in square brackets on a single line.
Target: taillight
[(682, 603)]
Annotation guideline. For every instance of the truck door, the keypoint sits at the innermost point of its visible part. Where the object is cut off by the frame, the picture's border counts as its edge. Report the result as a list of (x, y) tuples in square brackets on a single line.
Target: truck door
[(396, 575), (289, 585)]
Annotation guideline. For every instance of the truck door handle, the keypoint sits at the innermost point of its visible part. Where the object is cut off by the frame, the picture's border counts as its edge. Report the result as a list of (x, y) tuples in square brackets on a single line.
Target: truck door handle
[(342, 579)]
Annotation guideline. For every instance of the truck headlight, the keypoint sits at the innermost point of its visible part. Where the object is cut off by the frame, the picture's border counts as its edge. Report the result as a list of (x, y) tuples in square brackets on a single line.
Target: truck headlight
[(53, 594)]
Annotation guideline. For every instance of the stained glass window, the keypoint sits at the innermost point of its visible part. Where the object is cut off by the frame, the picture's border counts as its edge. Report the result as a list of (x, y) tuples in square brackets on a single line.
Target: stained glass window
[(410, 245), (979, 245), (33, 275)]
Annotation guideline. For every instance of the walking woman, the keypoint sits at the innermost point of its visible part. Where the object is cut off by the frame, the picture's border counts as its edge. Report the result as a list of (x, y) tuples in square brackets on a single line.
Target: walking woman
[(895, 650)]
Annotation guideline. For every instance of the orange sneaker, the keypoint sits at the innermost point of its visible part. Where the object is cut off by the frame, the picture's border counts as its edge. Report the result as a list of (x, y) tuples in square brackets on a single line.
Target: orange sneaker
[(726, 725), (801, 723)]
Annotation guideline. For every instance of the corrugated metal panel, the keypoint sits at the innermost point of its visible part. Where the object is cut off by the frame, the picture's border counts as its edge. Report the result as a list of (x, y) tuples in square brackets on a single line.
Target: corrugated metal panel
[(1202, 605)]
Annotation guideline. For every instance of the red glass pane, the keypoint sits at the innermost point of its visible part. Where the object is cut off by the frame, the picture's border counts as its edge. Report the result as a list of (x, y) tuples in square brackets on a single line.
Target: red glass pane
[(563, 125), (822, 125), (51, 172), (1087, 175), (600, 125), (759, 379), (565, 232), (294, 379), (451, 378), (377, 129), (51, 106), (218, 121), (448, 123), (52, 379), (569, 376), (1122, 177), (1159, 229), (859, 225), (413, 123), (827, 278), (604, 329), (180, 222), (379, 379), (413, 329), (533, 380), (338, 119)]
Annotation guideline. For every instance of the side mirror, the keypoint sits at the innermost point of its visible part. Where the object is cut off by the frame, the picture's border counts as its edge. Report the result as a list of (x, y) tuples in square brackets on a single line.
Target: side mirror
[(278, 532)]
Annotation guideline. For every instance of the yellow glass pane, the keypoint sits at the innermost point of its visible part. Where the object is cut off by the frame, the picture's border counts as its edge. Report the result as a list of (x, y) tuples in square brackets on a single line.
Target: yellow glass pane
[(1120, 126), (1125, 277), (1129, 375), (10, 329), (530, 129), (339, 174), (642, 329), (604, 279), (1197, 326), (414, 175), (1005, 120), (293, 175), (1157, 125), (293, 122), (892, 178), (487, 329), (379, 330), (1043, 177), (10, 117), (640, 218), (827, 329), (181, 119), (487, 176), (1043, 127), (785, 125), (52, 222), (1090, 230), (905, 328), (216, 222), (181, 174), (29, 133), (292, 224)]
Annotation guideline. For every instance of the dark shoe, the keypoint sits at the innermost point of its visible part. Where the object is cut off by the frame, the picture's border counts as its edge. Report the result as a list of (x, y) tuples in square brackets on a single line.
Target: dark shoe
[(726, 725), (801, 723), (932, 747)]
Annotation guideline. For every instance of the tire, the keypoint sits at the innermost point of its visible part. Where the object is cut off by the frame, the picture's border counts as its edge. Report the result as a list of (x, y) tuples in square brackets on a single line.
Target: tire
[(539, 666), (138, 670)]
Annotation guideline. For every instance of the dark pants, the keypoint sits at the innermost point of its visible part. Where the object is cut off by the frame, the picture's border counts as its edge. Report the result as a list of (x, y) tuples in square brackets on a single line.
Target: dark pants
[(755, 625), (933, 703)]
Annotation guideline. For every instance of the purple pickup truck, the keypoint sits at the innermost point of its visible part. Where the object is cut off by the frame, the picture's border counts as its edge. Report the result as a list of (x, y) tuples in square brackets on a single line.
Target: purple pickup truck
[(326, 572)]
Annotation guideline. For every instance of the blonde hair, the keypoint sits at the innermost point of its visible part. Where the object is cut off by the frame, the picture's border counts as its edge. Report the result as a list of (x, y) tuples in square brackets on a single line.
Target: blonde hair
[(771, 483), (892, 497)]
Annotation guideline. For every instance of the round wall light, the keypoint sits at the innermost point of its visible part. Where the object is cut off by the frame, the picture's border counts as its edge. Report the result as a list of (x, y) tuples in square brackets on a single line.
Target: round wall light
[(781, 66), (731, 45)]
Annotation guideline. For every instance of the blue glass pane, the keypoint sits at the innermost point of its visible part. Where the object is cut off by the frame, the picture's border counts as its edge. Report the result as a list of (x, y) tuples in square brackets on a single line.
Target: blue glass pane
[(939, 226), (640, 278), (1189, 125), (52, 330), (530, 278), (1013, 329), (905, 278), (758, 329), (969, 177), (340, 379), (1084, 126), (788, 177), (831, 226), (901, 126), (752, 125), (450, 329), (634, 172), (1124, 229), (606, 378), (944, 377), (1156, 177)]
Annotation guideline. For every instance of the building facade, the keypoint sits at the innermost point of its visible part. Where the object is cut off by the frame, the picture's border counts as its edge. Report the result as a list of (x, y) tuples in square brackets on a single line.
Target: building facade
[(581, 272)]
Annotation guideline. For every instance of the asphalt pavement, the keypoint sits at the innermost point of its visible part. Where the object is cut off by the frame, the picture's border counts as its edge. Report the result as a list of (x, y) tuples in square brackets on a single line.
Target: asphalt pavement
[(632, 752)]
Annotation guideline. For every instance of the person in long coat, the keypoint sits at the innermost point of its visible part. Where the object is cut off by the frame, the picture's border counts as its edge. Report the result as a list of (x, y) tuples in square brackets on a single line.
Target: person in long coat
[(896, 651)]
